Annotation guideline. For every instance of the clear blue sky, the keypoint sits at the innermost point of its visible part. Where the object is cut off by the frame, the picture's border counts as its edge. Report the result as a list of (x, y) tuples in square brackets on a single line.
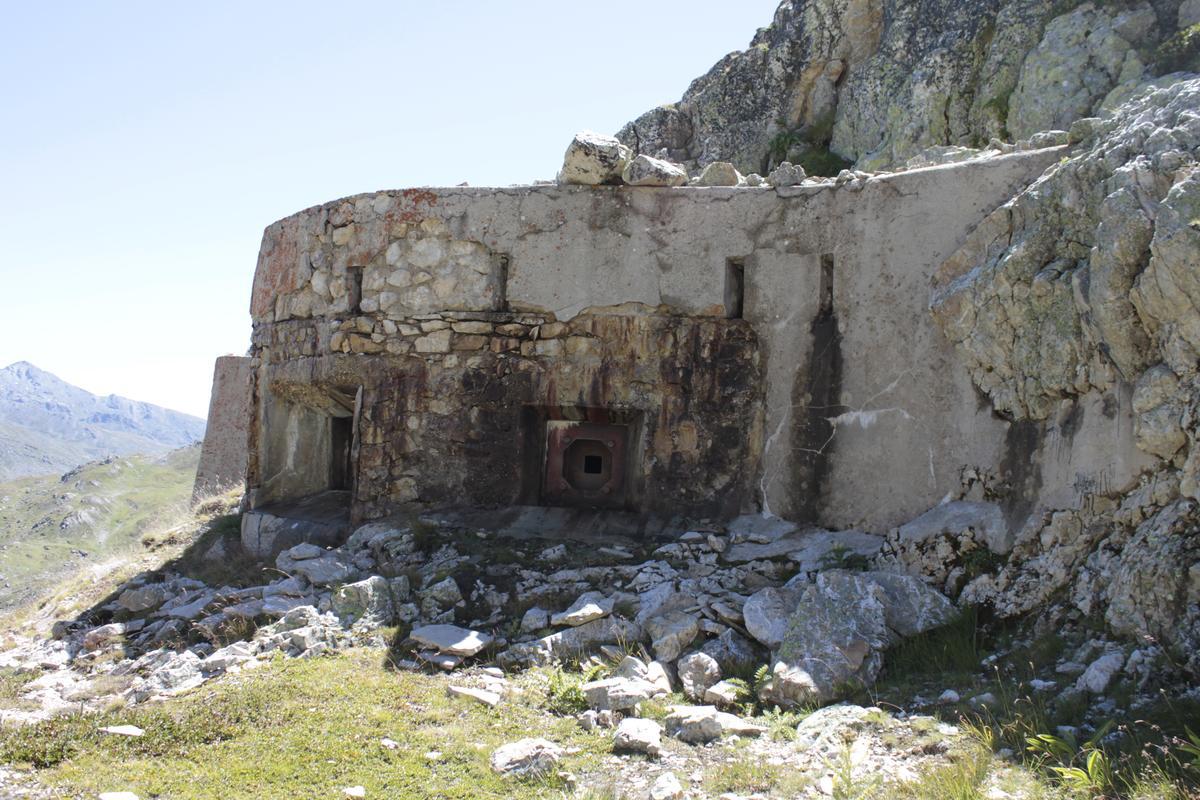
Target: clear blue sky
[(145, 145)]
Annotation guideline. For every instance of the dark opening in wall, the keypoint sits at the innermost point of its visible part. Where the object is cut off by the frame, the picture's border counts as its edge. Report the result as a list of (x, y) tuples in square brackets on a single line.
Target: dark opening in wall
[(502, 261), (341, 434), (355, 275), (735, 288), (581, 457)]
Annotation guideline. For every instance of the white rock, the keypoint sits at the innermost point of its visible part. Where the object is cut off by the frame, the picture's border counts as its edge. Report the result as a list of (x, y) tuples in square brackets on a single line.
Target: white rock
[(451, 639), (722, 693), (617, 694), (1100, 672), (527, 757), (645, 170), (638, 736), (703, 724), (589, 606), (697, 672), (719, 173), (667, 787), (489, 699), (354, 791), (124, 730), (949, 697), (592, 159), (118, 796)]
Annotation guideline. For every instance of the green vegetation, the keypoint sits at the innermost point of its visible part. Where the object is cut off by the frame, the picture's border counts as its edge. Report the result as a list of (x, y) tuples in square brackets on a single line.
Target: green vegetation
[(807, 146), (101, 511), (1180, 53), (299, 728), (748, 776)]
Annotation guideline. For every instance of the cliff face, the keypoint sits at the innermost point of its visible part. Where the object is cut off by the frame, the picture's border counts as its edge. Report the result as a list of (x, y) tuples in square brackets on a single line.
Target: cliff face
[(1086, 282), (874, 82)]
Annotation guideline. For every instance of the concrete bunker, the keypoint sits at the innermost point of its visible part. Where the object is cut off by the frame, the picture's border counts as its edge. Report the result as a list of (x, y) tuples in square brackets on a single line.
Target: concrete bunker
[(676, 353)]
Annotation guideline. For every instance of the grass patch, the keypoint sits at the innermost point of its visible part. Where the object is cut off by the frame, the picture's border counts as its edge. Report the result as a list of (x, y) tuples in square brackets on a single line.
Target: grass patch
[(298, 728), (747, 776), (952, 650)]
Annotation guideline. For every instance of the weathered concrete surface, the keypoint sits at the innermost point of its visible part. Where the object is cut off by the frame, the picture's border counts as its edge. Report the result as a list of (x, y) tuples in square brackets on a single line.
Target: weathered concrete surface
[(599, 298), (230, 409)]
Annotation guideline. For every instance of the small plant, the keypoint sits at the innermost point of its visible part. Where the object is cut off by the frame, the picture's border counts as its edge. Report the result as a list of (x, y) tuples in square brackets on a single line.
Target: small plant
[(781, 725), (1083, 768), (848, 787), (1191, 750), (564, 691)]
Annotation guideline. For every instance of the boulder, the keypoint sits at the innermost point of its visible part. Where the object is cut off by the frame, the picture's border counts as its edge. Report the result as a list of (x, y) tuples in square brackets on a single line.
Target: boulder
[(451, 639), (722, 694), (143, 598), (956, 518), (1099, 674), (589, 606), (320, 567), (593, 159), (638, 736), (766, 614), (645, 170), (697, 672), (835, 638), (759, 528), (667, 787), (734, 653), (811, 550), (786, 174), (703, 724), (369, 601), (617, 694), (534, 620), (533, 758), (910, 605), (442, 595), (719, 173), (572, 642), (670, 633)]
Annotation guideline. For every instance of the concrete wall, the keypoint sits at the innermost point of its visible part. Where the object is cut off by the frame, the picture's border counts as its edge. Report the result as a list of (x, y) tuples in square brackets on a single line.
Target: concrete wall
[(867, 419), (230, 411)]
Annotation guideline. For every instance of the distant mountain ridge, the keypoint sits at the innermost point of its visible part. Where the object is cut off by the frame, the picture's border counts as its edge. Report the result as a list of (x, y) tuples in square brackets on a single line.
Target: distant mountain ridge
[(48, 425)]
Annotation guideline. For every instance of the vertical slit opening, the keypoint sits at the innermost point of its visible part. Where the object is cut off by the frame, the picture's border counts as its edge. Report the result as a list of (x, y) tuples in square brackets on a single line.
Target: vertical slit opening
[(502, 262), (735, 288), (355, 275)]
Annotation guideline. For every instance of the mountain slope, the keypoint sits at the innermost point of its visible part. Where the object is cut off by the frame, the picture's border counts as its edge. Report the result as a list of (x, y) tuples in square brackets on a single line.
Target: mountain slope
[(47, 425), (51, 525)]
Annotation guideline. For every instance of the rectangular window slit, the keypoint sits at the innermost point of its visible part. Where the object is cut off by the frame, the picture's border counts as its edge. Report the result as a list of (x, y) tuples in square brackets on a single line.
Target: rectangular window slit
[(735, 288), (593, 465), (502, 262), (355, 275)]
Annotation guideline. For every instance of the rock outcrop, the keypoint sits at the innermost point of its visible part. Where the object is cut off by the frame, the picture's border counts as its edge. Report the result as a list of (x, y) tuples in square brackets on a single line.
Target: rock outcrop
[(874, 82), (1086, 282)]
